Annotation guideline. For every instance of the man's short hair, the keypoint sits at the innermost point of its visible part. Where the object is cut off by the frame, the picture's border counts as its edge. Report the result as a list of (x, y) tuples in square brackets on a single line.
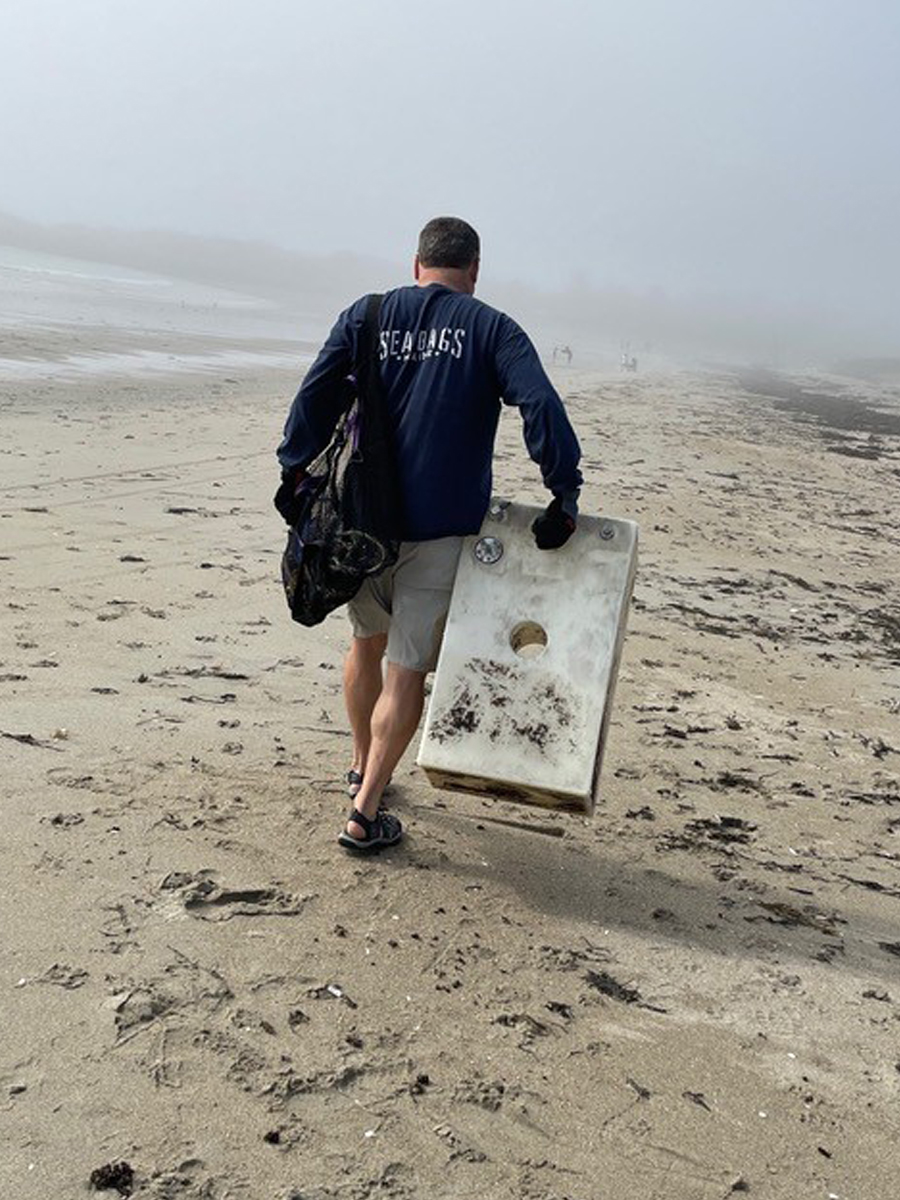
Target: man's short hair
[(448, 242)]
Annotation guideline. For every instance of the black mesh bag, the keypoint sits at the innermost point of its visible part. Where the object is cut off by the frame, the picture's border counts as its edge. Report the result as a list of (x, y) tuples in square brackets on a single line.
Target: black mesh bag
[(346, 516)]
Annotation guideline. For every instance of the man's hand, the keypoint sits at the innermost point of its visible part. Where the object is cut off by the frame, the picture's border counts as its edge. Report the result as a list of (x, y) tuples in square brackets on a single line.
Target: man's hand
[(286, 498), (553, 528)]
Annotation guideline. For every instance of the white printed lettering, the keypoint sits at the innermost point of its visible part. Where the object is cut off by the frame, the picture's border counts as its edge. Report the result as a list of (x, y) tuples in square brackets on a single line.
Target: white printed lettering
[(408, 345)]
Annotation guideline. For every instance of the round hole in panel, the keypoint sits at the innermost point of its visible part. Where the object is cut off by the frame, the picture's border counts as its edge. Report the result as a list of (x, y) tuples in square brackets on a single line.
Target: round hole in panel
[(528, 639)]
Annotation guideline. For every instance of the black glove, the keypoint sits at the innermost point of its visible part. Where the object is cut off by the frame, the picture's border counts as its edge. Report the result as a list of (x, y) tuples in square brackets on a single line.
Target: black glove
[(552, 528)]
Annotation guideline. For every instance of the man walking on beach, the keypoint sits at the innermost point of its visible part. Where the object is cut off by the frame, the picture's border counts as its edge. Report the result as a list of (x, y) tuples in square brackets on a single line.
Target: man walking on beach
[(447, 360)]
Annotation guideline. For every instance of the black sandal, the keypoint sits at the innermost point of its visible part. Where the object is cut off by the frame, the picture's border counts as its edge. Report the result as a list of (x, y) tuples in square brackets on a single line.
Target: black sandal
[(355, 781), (382, 830)]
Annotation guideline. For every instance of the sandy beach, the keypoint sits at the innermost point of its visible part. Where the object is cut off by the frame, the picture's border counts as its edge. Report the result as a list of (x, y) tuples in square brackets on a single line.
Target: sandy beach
[(693, 995)]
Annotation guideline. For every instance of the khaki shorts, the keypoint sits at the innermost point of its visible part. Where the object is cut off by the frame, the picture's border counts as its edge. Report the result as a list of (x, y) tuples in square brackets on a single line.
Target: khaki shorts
[(409, 602)]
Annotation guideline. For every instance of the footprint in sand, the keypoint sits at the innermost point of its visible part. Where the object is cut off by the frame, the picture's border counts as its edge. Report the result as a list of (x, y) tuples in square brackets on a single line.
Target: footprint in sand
[(204, 898)]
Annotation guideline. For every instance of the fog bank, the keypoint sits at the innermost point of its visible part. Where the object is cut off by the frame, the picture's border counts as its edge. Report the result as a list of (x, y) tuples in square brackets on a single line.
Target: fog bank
[(594, 321)]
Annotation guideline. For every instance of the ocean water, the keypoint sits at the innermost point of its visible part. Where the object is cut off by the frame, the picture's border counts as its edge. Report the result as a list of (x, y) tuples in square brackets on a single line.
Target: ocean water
[(35, 263), (108, 311), (146, 362)]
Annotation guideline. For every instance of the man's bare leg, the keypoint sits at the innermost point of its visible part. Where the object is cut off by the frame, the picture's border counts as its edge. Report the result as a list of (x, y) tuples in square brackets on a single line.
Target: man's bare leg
[(362, 687), (395, 719)]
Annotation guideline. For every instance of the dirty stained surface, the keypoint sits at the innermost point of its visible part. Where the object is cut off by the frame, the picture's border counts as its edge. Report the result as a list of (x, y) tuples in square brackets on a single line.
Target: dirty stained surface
[(523, 690), (694, 994)]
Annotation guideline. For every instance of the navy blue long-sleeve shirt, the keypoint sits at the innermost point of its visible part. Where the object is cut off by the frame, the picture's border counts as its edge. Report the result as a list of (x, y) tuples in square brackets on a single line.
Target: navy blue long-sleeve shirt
[(447, 361)]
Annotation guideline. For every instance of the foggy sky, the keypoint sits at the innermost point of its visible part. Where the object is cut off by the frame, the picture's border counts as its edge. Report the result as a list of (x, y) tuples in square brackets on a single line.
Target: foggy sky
[(743, 148)]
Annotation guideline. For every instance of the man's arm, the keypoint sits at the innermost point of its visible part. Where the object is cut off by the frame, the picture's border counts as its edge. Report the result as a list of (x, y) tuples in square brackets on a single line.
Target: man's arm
[(323, 397), (549, 435)]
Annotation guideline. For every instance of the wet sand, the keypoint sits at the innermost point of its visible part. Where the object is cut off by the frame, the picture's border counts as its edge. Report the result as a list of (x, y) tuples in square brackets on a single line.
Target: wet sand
[(693, 995)]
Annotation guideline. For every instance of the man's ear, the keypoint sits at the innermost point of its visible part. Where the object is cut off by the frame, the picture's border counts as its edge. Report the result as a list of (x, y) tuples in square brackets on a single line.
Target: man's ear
[(473, 270), (416, 268)]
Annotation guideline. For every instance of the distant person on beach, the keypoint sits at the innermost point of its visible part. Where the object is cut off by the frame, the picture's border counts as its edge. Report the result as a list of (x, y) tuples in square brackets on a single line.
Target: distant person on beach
[(447, 361)]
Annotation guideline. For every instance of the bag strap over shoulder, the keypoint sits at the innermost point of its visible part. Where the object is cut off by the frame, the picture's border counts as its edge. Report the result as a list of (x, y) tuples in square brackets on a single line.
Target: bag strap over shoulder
[(370, 394), (367, 355)]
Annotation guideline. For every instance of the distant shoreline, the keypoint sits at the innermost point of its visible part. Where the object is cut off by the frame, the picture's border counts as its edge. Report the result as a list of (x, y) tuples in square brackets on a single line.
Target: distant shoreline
[(598, 322)]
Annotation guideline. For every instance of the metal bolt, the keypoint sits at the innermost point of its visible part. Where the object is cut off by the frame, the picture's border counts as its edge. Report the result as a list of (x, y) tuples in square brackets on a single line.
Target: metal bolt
[(488, 550)]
